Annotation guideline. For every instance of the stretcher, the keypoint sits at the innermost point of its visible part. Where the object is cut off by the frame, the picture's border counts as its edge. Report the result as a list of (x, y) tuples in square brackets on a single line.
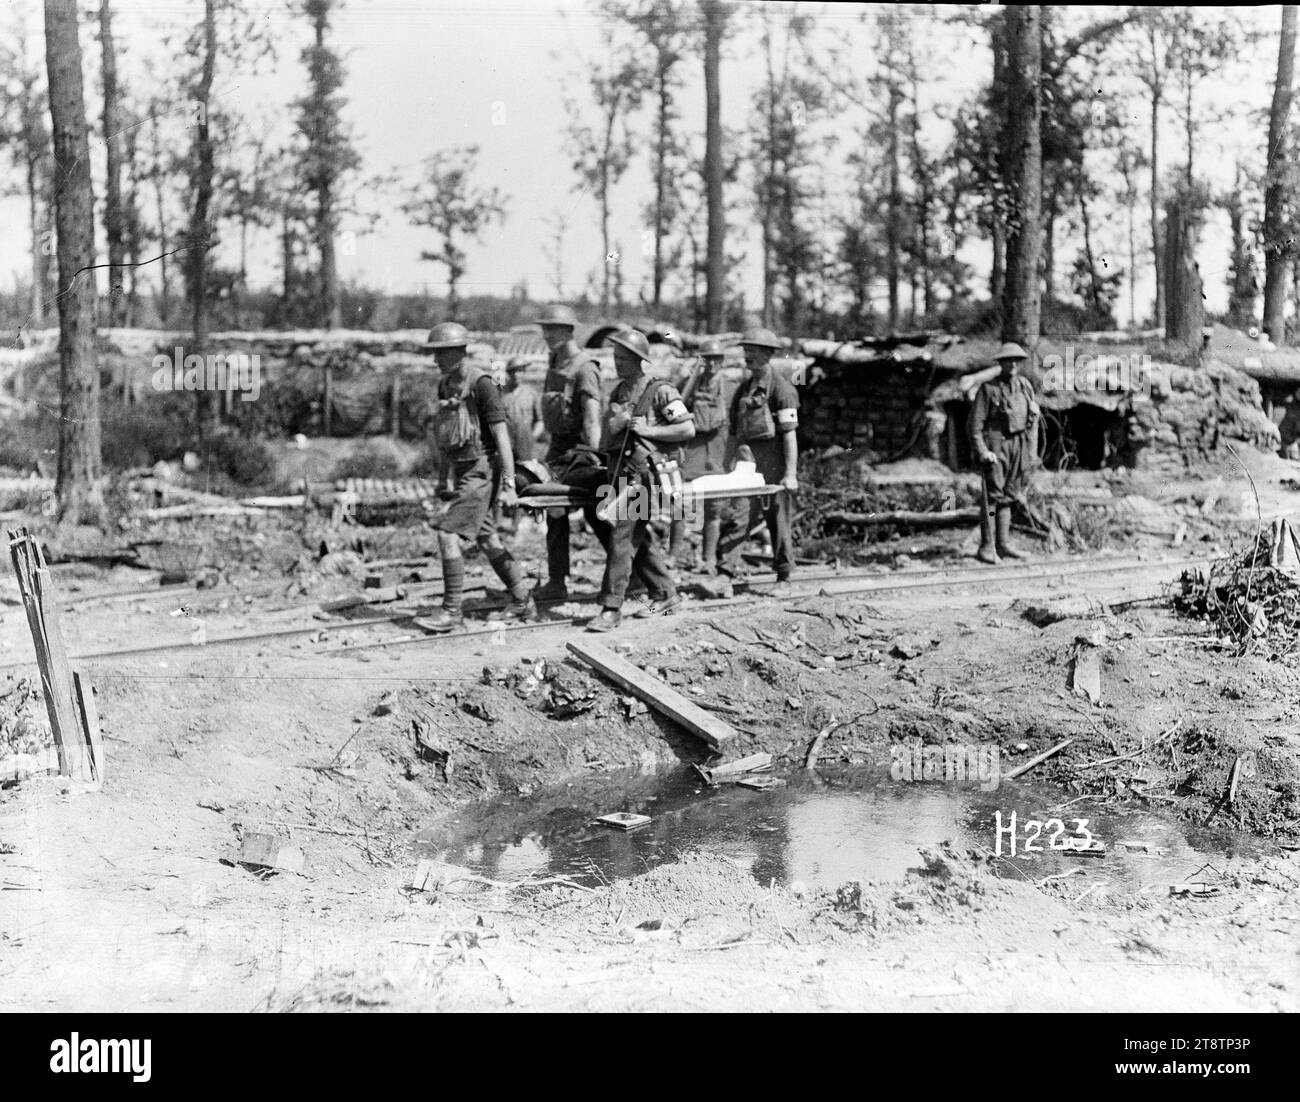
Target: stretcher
[(577, 499)]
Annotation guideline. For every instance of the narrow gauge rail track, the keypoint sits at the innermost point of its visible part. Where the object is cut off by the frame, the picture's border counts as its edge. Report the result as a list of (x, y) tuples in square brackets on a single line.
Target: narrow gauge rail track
[(809, 584)]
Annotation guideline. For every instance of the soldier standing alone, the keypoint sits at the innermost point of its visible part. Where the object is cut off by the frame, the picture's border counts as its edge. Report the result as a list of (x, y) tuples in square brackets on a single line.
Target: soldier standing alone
[(1004, 436)]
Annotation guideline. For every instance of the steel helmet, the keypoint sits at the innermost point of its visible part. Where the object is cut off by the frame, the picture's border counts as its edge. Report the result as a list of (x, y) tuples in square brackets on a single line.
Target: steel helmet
[(761, 338), (711, 348), (1011, 351), (633, 341), (559, 314), (449, 334)]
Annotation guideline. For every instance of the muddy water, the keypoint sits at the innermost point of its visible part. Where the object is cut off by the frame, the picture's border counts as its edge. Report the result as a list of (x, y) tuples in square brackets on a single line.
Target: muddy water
[(822, 830)]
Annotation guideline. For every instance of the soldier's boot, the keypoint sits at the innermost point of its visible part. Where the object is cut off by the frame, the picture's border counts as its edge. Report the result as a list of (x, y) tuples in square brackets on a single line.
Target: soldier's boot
[(988, 551), (1005, 547), (553, 592), (712, 531)]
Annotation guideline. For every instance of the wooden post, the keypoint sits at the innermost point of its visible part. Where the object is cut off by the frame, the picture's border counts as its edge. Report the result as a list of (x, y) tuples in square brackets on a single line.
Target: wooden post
[(61, 701), (328, 399), (395, 406), (89, 716)]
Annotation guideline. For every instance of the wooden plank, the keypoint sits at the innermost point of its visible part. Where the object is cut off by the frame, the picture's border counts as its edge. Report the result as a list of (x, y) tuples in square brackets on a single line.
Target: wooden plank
[(913, 518), (85, 693), (742, 765), (655, 693), (732, 770), (1036, 759)]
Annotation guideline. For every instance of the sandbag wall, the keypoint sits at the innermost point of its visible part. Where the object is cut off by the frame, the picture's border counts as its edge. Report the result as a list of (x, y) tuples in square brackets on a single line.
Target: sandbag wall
[(878, 406), (336, 385), (1191, 413)]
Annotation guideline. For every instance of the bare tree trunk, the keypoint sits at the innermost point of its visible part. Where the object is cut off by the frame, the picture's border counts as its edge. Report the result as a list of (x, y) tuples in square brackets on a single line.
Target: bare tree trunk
[(714, 19), (661, 189), (331, 308), (893, 215), (769, 198), (998, 272), (114, 222), (955, 287), (1023, 158), (1157, 243), (1132, 268), (160, 213), (200, 224), (1185, 315), (1049, 242), (286, 260), (1094, 285), (924, 188), (77, 486), (610, 259), (1277, 248), (40, 259), (131, 227)]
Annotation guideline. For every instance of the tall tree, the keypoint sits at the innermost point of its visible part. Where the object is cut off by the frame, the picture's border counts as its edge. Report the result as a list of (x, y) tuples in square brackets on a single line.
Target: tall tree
[(1155, 28), (25, 129), (446, 201), (1022, 165), (1243, 286), (715, 20), (557, 226), (601, 153), (156, 170), (786, 155), (245, 187), (202, 172), (329, 154), (115, 217), (1129, 161), (1278, 240), (77, 486), (888, 132), (665, 30)]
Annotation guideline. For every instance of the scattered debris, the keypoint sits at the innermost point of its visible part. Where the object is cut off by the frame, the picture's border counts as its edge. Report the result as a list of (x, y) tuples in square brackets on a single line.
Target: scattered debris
[(1066, 608), (623, 820), (265, 853), (910, 646), (1194, 889), (1085, 675), (1253, 597)]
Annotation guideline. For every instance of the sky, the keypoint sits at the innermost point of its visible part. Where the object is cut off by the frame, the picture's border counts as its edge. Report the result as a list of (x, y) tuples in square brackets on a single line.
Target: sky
[(426, 74)]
